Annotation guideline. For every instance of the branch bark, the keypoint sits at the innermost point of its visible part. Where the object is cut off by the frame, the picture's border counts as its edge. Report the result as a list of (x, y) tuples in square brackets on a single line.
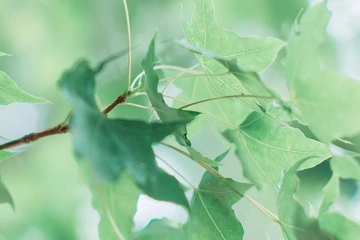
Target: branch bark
[(59, 129)]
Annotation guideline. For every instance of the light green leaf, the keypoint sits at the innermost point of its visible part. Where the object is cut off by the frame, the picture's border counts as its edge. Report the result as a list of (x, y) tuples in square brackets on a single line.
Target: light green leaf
[(293, 220), (116, 204), (5, 154), (253, 54), (5, 196), (197, 156), (317, 93), (346, 167), (116, 145), (265, 149), (331, 191), (159, 229), (164, 112), (3, 54), (211, 214), (339, 226), (11, 93)]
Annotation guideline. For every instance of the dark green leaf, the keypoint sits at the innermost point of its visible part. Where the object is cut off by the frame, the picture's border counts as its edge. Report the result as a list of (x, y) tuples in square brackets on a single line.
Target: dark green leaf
[(159, 229), (295, 223), (116, 145), (164, 112), (265, 149)]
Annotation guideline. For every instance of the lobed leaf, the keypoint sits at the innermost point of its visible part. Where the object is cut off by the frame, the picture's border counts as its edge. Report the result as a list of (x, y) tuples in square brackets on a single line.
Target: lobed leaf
[(116, 204), (266, 149), (249, 55), (253, 54), (164, 112), (116, 145), (211, 214), (159, 229), (296, 225), (318, 93), (11, 93)]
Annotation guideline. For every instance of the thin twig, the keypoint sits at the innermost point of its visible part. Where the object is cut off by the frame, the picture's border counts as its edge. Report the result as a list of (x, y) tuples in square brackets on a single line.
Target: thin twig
[(59, 129)]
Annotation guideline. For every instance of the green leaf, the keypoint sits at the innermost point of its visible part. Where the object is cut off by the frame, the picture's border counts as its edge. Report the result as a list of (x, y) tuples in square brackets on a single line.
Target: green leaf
[(197, 156), (164, 112), (293, 220), (346, 167), (116, 145), (331, 191), (116, 204), (11, 93), (253, 54), (265, 149), (317, 93), (211, 214), (3, 54), (339, 226), (5, 154), (5, 196), (159, 229)]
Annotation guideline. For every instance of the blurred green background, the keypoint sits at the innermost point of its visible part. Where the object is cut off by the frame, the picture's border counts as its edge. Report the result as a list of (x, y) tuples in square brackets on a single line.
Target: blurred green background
[(45, 37)]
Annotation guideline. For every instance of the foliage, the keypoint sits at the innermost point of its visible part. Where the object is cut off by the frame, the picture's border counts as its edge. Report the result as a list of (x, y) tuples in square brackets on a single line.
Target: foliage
[(273, 138)]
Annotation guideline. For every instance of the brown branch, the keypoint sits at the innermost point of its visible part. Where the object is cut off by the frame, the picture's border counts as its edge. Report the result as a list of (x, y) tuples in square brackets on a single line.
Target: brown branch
[(59, 129)]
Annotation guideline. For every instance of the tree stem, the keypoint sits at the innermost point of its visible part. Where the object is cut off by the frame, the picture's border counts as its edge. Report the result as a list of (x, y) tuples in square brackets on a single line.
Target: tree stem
[(59, 129)]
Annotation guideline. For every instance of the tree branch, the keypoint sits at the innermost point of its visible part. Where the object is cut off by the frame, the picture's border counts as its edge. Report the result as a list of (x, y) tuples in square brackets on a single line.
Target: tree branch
[(59, 129)]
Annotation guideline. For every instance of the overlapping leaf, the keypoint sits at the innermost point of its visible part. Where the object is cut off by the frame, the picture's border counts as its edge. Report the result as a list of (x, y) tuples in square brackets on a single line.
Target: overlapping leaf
[(164, 112), (116, 145), (335, 223), (328, 101), (211, 214), (296, 225), (116, 204), (266, 149), (159, 229), (11, 93), (251, 53)]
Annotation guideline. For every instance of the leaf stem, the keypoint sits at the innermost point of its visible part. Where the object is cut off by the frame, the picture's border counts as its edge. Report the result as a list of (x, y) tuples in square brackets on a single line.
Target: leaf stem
[(178, 173), (129, 42), (225, 97), (59, 129), (261, 208)]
